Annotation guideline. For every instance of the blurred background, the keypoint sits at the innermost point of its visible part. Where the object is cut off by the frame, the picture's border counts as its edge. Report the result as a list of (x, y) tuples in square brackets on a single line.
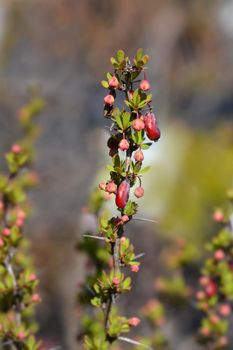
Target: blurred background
[(63, 48)]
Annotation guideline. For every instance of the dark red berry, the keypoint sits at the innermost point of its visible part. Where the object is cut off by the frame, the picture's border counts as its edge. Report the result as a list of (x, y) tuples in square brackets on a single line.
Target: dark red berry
[(122, 195)]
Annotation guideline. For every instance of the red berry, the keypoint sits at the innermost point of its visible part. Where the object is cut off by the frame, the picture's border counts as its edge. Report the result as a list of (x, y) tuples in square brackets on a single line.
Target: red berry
[(219, 255), (124, 145), (134, 321), (152, 130), (111, 187), (16, 149), (139, 192), (145, 85), (134, 268), (122, 195), (109, 100), (211, 289), (113, 82), (138, 124), (139, 156)]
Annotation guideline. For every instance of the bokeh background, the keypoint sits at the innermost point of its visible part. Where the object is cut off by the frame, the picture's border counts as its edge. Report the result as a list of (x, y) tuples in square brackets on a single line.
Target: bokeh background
[(63, 47)]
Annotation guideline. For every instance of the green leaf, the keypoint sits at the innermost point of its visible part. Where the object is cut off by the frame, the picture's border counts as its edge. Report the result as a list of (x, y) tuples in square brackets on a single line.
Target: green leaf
[(104, 83), (145, 170), (145, 146), (120, 55), (139, 54), (119, 121), (126, 120)]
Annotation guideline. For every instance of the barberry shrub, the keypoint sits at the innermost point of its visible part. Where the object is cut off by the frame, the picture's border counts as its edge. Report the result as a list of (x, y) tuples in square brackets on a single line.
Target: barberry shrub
[(132, 129), (18, 281)]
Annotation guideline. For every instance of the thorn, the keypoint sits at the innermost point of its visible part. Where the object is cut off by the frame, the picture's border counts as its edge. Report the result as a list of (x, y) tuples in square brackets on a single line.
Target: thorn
[(144, 219), (95, 237), (134, 342), (139, 255)]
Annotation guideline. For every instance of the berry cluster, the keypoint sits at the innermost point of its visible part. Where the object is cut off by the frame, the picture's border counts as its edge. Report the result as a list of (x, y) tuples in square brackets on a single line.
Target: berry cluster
[(18, 282)]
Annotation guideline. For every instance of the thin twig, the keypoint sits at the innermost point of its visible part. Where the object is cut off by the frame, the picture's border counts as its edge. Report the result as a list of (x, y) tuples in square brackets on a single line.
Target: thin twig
[(134, 342)]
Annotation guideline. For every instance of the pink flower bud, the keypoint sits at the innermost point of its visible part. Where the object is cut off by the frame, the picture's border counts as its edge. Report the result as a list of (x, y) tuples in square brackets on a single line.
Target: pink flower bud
[(139, 192), (134, 321), (204, 280), (139, 156), (123, 239), (1, 205), (32, 277), (16, 149), (219, 255), (116, 281), (223, 341), (225, 310), (134, 268), (138, 124), (6, 231), (218, 216), (200, 295), (124, 145), (145, 85), (21, 214), (205, 331), (36, 298), (21, 335), (124, 219), (109, 100), (1, 243), (113, 82), (19, 222), (111, 187), (102, 186), (214, 319)]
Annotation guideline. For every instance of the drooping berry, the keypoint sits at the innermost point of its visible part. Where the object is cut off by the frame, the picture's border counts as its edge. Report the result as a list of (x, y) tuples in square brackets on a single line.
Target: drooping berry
[(124, 145), (152, 130), (134, 321), (109, 100), (113, 82), (211, 289), (145, 85), (122, 195), (111, 187), (138, 124), (139, 192), (139, 156)]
